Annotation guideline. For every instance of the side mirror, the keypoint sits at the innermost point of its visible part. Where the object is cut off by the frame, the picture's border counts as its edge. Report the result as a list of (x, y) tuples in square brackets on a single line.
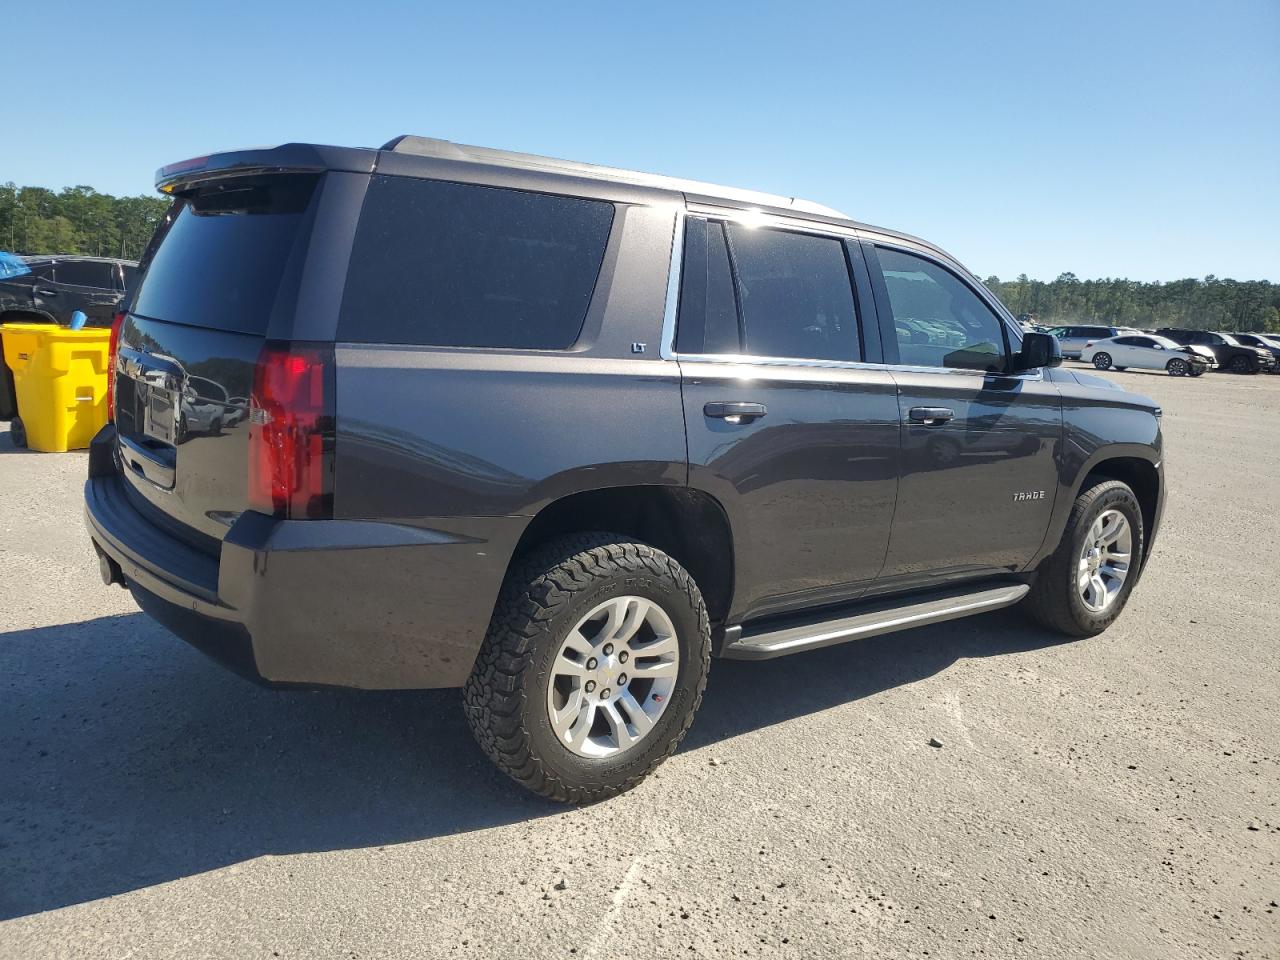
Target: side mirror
[(1038, 350)]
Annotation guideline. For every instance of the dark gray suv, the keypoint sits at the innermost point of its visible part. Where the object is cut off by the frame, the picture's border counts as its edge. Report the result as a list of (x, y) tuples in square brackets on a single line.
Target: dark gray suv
[(556, 434)]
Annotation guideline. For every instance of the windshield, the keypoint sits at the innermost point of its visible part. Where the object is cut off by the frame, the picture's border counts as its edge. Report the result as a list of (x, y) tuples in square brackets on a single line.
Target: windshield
[(1228, 338)]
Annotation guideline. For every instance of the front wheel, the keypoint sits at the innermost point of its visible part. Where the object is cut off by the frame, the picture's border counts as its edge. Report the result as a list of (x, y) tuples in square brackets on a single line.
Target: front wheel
[(593, 667), (1196, 371), (1102, 360), (1083, 586), (1241, 364), (1177, 367)]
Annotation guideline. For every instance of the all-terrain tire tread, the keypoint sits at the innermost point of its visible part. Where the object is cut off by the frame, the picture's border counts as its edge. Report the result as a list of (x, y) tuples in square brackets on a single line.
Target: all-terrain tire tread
[(538, 587)]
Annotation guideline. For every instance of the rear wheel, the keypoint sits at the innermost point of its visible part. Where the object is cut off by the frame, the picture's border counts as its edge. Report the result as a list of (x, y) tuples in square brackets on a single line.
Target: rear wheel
[(1178, 367), (1102, 360), (1083, 586), (592, 669), (18, 433), (1240, 364)]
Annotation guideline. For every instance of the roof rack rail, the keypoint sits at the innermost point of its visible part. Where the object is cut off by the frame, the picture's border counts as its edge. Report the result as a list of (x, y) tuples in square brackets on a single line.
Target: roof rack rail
[(448, 150)]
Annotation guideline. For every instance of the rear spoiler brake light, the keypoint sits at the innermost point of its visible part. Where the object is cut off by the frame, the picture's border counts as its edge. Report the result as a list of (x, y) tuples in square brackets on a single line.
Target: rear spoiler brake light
[(286, 158)]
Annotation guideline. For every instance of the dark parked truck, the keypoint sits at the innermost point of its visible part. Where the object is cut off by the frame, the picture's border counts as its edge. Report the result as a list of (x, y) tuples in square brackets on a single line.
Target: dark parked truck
[(556, 434)]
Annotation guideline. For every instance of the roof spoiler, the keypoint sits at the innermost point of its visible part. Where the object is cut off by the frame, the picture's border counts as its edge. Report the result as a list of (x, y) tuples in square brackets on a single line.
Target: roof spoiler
[(286, 158)]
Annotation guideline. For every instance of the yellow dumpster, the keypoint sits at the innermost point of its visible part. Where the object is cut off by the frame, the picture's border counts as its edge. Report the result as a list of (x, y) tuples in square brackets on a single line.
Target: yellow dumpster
[(60, 379)]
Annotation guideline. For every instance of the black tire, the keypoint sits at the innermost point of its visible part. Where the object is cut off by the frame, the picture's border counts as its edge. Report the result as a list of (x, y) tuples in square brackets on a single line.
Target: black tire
[(1241, 364), (1102, 360), (18, 433), (1178, 367), (1196, 370), (545, 594), (1055, 601)]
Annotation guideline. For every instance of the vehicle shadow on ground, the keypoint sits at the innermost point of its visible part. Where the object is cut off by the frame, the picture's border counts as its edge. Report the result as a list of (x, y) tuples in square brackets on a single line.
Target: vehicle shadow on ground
[(127, 759)]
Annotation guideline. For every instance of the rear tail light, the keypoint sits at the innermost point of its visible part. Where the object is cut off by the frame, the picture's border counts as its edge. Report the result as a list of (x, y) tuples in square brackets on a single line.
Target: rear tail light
[(113, 350), (291, 431)]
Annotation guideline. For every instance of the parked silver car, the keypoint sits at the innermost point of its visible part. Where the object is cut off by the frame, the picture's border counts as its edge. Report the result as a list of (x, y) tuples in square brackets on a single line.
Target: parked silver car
[(1074, 339)]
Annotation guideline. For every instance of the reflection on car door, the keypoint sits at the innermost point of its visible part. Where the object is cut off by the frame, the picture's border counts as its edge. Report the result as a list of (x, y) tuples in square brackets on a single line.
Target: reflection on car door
[(978, 444), (797, 440)]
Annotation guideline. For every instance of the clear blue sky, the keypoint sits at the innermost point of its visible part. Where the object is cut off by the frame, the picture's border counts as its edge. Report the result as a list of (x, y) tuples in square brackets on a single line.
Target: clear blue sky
[(1137, 139)]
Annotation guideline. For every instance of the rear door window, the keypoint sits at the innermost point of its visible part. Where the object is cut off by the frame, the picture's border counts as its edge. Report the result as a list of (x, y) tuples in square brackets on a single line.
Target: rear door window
[(795, 295), (447, 264), (222, 260)]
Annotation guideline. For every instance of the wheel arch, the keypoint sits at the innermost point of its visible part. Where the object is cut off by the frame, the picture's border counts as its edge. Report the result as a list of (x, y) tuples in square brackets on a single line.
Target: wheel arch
[(1143, 477), (687, 524)]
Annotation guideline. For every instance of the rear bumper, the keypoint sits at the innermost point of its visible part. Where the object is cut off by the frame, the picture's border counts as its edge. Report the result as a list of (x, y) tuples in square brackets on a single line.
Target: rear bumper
[(347, 603)]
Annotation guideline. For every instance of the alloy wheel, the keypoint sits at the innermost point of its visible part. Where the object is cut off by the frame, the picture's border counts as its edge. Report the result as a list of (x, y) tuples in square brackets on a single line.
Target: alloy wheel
[(612, 677), (1104, 560)]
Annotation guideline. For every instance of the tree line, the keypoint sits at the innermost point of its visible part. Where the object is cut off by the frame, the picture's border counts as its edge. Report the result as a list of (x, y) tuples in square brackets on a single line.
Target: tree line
[(81, 220), (76, 220), (1208, 304)]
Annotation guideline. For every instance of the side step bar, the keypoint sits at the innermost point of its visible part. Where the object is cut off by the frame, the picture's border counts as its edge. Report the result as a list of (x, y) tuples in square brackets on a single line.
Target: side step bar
[(885, 617)]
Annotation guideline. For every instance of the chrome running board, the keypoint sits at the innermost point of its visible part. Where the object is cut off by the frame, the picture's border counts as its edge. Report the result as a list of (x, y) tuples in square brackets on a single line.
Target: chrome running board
[(884, 617)]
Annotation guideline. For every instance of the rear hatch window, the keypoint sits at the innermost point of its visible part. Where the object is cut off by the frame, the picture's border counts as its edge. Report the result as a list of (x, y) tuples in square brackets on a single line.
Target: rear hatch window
[(219, 278), (223, 259)]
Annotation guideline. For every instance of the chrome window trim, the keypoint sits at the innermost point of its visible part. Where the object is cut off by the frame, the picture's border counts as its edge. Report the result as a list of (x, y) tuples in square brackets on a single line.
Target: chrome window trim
[(742, 359), (753, 217), (667, 350)]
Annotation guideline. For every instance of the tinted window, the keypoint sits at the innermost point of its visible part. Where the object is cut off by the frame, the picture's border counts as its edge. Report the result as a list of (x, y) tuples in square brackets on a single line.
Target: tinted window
[(795, 293), (458, 265), (84, 273), (940, 322), (1132, 342), (130, 277), (221, 262), (708, 318)]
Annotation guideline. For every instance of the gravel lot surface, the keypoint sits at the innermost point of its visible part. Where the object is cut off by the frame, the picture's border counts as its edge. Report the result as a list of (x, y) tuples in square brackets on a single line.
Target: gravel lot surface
[(1116, 797)]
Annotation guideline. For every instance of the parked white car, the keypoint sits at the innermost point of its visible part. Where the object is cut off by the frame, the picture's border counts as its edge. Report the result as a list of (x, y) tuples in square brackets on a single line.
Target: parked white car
[(1147, 351)]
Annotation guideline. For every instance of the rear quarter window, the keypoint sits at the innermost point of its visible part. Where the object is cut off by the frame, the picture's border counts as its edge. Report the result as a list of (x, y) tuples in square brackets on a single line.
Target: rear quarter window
[(436, 263)]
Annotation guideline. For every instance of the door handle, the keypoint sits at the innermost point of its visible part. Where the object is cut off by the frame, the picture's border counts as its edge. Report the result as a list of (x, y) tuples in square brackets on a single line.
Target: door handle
[(931, 416), (46, 292), (735, 411)]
